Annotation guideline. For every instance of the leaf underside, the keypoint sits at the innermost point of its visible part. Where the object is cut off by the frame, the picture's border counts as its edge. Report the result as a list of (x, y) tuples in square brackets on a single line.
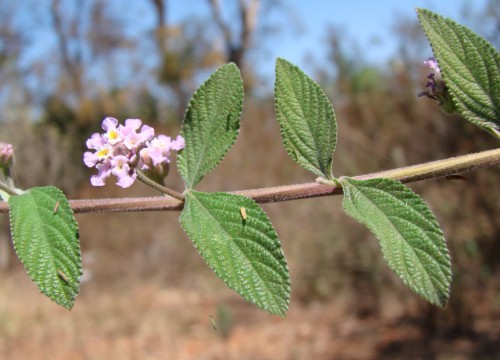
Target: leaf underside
[(410, 238)]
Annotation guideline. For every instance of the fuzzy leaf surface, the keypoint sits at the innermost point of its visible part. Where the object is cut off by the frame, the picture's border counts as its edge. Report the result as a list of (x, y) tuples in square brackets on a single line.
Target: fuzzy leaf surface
[(306, 118), (211, 123), (240, 246), (45, 237), (470, 69), (411, 240)]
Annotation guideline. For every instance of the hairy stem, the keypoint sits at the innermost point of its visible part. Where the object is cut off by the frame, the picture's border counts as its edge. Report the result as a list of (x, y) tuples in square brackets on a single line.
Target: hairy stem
[(431, 170), (141, 176), (7, 188)]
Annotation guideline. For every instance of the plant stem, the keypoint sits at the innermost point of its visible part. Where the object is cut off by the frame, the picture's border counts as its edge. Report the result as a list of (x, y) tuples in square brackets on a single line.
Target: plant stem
[(7, 189), (431, 170), (141, 176)]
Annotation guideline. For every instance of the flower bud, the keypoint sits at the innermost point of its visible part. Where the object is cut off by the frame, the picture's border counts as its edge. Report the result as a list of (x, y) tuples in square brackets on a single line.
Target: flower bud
[(437, 89), (6, 155)]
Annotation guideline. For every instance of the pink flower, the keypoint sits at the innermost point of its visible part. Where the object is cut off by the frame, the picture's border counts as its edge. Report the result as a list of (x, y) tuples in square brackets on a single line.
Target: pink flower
[(131, 138), (96, 141), (122, 170), (157, 151), (104, 152), (436, 87), (124, 147), (6, 155), (103, 172), (112, 134), (432, 63), (178, 143)]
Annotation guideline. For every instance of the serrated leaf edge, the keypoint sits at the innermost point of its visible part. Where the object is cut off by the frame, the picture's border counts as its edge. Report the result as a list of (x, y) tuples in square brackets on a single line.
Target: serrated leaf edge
[(469, 115), (283, 262), (325, 173), (189, 108), (69, 301), (436, 298)]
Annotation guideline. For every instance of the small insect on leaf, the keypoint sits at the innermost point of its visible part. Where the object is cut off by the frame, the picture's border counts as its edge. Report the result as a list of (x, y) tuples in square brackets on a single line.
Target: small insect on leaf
[(243, 213), (56, 207), (212, 321), (63, 276)]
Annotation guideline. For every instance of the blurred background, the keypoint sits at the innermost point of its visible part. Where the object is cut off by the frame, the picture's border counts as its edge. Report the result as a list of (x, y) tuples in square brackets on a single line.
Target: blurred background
[(146, 294)]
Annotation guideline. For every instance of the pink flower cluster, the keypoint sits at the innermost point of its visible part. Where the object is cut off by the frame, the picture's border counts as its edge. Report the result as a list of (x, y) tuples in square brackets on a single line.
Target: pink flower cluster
[(123, 148)]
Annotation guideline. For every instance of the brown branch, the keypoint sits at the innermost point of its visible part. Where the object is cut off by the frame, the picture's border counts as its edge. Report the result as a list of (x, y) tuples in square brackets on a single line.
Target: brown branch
[(431, 170)]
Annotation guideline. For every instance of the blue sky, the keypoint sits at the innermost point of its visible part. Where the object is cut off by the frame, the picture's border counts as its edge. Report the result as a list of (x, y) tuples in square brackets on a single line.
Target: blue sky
[(302, 24), (369, 22), (302, 31)]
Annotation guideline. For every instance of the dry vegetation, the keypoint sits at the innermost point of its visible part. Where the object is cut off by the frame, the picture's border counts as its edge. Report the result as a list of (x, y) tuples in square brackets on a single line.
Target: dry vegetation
[(151, 296)]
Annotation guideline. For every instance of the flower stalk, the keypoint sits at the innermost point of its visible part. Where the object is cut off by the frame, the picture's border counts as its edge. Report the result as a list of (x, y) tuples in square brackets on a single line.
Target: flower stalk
[(146, 180)]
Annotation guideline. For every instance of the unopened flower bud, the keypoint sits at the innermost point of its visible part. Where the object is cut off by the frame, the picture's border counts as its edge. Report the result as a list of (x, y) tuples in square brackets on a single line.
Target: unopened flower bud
[(6, 155)]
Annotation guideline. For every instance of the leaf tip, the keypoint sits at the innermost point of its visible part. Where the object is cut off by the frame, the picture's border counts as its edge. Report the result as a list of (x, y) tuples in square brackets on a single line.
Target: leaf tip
[(280, 60)]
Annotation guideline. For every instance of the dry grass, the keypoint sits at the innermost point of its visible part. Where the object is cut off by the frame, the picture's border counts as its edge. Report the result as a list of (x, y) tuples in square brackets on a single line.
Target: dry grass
[(149, 319)]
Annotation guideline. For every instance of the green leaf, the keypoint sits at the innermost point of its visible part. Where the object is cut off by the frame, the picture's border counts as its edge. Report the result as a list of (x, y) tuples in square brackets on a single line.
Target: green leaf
[(410, 237), (45, 236), (306, 118), (211, 123), (236, 239), (470, 69)]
